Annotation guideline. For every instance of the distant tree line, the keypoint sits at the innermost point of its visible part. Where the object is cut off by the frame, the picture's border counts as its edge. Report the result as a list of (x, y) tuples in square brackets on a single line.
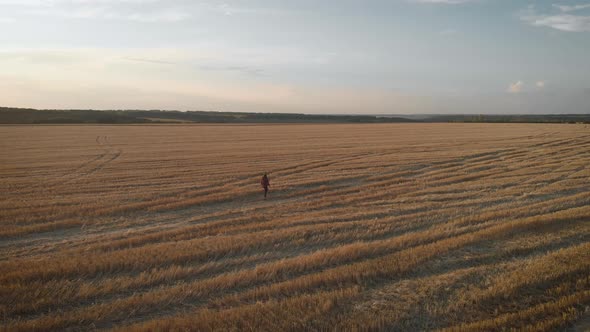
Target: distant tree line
[(517, 118), (32, 116)]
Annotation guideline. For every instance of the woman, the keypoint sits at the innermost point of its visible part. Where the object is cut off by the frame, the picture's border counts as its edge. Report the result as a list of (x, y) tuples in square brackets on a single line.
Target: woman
[(265, 184)]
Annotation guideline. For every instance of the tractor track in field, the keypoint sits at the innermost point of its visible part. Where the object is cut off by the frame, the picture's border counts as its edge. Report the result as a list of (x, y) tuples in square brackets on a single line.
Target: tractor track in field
[(85, 169), (109, 155)]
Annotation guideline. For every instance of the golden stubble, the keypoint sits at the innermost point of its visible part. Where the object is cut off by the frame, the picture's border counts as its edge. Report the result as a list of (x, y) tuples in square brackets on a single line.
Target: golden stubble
[(385, 227)]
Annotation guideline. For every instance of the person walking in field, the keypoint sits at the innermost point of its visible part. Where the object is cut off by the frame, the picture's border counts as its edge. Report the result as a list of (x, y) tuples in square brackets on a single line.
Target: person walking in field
[(265, 183)]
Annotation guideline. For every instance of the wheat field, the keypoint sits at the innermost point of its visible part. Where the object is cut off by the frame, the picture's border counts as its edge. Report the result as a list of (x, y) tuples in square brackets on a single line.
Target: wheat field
[(455, 227)]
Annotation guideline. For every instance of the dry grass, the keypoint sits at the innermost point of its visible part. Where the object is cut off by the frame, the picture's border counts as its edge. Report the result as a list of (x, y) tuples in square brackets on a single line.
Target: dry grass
[(459, 227)]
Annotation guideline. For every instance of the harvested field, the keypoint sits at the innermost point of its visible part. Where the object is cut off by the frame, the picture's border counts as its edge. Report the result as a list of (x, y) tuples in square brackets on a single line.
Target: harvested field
[(453, 227)]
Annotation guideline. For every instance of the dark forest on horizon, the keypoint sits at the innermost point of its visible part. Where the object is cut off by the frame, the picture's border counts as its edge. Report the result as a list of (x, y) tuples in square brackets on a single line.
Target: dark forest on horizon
[(10, 115)]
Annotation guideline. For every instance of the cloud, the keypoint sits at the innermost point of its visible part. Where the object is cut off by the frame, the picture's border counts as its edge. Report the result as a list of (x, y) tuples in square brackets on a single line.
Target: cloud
[(540, 84), (134, 10), (147, 60), (570, 23), (445, 2), (516, 87), (144, 11), (170, 15), (248, 70), (51, 3), (54, 58), (563, 22), (106, 13), (566, 8), (7, 20), (226, 9)]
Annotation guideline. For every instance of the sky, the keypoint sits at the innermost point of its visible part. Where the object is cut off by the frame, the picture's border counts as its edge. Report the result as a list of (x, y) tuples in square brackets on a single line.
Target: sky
[(304, 56)]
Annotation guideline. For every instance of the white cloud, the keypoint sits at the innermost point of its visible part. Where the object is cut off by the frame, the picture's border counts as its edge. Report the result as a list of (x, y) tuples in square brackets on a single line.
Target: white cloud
[(516, 87), (563, 22), (6, 20), (566, 8), (570, 23)]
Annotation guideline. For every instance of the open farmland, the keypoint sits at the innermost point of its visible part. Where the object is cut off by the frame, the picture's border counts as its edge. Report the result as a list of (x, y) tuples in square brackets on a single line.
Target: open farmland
[(390, 226)]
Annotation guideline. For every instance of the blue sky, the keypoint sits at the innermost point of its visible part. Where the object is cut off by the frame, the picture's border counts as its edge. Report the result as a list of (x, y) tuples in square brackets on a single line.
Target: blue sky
[(397, 56)]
